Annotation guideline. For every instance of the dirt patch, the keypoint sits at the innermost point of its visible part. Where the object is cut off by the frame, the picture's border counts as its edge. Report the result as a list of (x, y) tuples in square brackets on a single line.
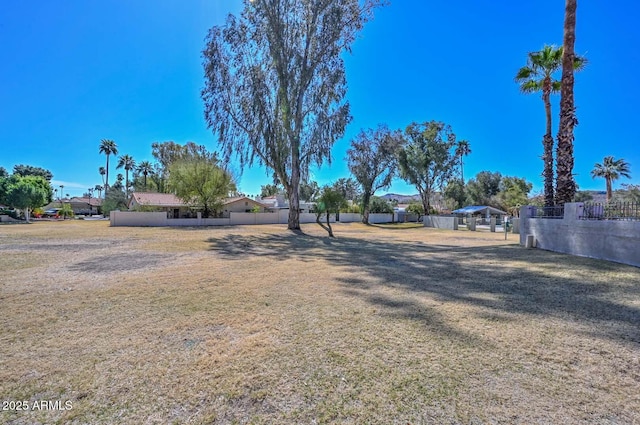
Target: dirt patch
[(121, 262)]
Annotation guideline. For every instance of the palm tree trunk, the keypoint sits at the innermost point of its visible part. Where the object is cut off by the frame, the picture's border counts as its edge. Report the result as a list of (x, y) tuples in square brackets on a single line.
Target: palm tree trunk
[(106, 185), (547, 146), (565, 184), (609, 190)]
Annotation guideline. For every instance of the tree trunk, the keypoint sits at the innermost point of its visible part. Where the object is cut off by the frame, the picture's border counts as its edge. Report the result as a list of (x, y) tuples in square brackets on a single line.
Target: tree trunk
[(547, 147), (565, 184), (547, 173), (609, 190), (426, 202), (366, 200), (294, 199), (329, 229), (106, 185)]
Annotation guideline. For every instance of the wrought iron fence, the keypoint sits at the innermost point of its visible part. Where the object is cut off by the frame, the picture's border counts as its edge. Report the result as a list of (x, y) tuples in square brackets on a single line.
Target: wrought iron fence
[(611, 211), (548, 212)]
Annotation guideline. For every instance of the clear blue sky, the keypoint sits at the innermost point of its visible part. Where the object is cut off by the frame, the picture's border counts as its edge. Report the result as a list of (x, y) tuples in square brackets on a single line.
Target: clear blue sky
[(75, 71)]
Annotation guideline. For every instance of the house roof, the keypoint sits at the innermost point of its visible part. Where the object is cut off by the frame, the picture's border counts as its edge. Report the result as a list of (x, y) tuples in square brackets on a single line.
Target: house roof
[(156, 199), (243, 198), (477, 209), (94, 202), (171, 200)]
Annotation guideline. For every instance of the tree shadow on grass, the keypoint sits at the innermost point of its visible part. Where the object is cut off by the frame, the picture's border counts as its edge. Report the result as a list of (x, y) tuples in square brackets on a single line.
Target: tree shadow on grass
[(526, 285)]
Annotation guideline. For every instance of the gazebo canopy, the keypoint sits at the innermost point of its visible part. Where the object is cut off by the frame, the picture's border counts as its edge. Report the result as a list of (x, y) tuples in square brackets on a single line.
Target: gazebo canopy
[(479, 209)]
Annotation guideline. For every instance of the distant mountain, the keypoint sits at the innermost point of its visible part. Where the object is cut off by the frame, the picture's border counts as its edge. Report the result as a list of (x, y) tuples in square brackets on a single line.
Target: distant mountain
[(402, 199)]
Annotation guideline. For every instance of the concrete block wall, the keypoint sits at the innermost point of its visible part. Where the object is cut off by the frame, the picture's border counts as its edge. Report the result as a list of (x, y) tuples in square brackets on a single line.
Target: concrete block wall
[(350, 218), (441, 222), (134, 218), (613, 240), (380, 218)]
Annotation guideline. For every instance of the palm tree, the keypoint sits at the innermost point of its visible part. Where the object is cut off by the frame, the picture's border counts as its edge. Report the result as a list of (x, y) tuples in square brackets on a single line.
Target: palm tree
[(102, 172), (611, 169), (565, 183), (61, 193), (462, 149), (145, 168), (107, 147), (99, 189), (537, 76), (128, 163)]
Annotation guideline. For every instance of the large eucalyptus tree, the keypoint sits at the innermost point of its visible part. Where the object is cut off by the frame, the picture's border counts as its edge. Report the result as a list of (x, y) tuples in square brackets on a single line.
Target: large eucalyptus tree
[(275, 84)]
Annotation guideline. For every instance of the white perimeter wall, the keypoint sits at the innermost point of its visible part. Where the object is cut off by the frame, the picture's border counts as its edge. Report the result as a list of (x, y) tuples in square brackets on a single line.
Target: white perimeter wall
[(613, 240), (159, 219)]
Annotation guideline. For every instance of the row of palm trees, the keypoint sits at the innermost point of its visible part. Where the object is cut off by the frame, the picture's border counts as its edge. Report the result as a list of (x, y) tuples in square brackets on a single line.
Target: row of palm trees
[(126, 161), (537, 76)]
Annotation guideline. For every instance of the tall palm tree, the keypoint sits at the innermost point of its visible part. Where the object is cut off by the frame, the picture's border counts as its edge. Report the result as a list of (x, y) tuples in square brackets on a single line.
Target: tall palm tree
[(145, 168), (611, 169), (462, 149), (565, 183), (107, 147), (128, 163), (537, 76), (99, 189), (102, 172)]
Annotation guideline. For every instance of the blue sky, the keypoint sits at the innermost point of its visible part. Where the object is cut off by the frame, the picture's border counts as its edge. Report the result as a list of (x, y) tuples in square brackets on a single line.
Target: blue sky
[(76, 71)]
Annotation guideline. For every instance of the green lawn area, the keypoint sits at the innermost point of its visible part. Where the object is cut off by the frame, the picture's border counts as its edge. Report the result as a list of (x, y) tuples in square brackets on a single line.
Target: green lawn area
[(384, 324)]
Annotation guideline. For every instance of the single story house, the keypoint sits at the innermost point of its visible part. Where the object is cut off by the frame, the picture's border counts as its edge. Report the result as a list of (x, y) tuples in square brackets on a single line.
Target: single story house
[(86, 206), (79, 205), (176, 208)]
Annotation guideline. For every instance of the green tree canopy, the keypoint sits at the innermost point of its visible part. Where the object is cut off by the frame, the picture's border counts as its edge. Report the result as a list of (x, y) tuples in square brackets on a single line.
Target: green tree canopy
[(27, 193), (349, 188), (482, 189), (372, 159), (415, 208), (201, 184), (309, 191), (428, 158), (275, 84), (270, 190), (454, 194), (628, 193), (329, 201), (29, 170), (380, 206), (514, 192)]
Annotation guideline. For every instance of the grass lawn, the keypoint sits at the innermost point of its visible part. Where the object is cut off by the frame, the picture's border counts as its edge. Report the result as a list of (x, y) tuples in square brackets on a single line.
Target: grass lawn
[(254, 324)]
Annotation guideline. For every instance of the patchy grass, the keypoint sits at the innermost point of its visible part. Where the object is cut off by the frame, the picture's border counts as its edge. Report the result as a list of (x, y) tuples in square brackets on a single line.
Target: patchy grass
[(254, 324)]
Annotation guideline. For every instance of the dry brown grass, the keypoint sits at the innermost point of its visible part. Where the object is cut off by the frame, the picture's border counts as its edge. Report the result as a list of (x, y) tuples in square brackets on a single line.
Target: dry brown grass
[(384, 324)]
